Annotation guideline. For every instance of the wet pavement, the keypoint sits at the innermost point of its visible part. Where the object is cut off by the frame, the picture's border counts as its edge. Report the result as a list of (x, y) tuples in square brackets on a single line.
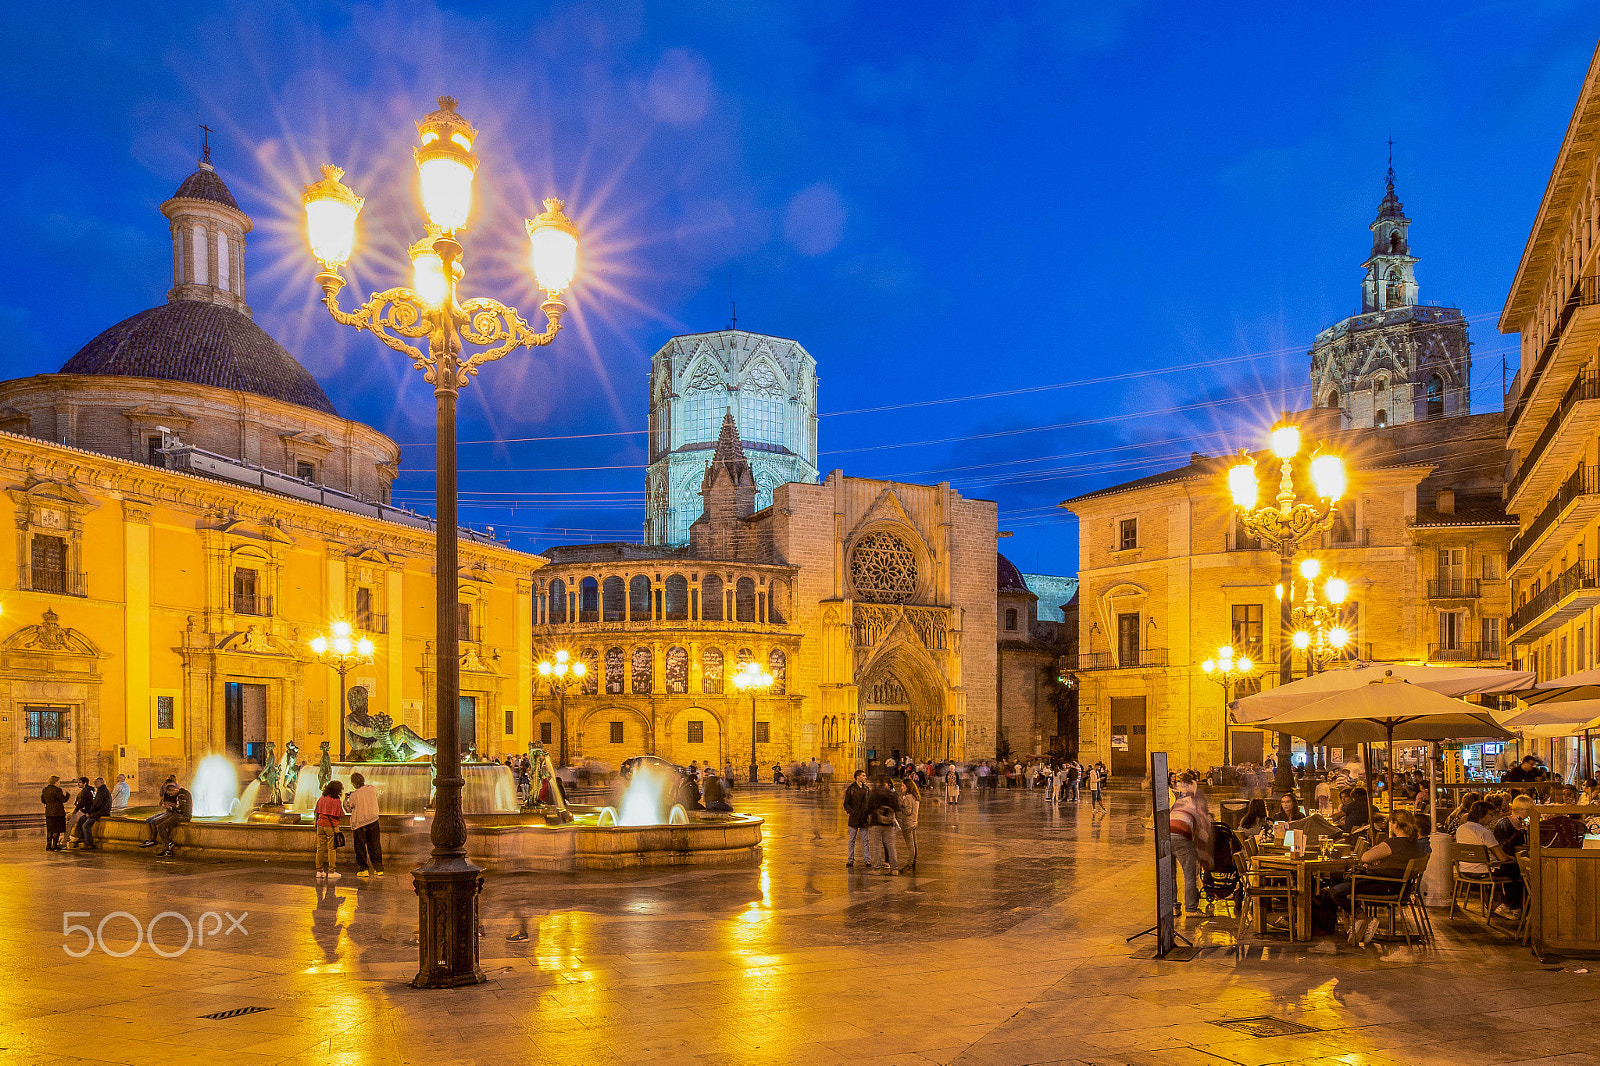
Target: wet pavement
[(1006, 945)]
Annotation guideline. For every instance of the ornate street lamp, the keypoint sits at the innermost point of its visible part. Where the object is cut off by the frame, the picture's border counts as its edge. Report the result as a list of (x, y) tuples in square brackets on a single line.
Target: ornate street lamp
[(555, 672), (752, 678), (1225, 669), (447, 885), (341, 651), (1319, 630), (1285, 525)]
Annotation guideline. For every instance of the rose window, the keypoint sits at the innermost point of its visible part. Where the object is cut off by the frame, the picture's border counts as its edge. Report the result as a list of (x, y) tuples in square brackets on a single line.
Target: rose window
[(883, 569)]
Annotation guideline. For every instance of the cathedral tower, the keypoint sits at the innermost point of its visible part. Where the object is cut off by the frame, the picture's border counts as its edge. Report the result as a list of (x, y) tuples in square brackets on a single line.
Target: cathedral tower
[(1395, 361), (769, 385), (207, 240)]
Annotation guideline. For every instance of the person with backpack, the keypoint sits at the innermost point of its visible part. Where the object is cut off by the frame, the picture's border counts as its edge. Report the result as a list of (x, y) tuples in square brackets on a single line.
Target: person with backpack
[(1189, 822), (882, 808)]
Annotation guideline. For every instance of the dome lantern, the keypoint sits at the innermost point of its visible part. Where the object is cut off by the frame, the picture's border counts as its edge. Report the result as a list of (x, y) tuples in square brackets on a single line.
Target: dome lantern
[(208, 239)]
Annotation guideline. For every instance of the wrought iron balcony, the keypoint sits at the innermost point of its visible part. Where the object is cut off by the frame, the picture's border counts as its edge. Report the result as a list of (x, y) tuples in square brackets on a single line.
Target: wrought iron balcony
[(1476, 652), (1453, 588), (1585, 293), (59, 580), (1132, 660), (1584, 481), (1585, 386), (1347, 538), (1583, 575), (368, 622), (252, 604)]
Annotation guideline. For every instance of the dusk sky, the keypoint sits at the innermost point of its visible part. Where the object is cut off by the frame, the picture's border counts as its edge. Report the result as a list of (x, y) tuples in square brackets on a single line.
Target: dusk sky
[(1035, 248)]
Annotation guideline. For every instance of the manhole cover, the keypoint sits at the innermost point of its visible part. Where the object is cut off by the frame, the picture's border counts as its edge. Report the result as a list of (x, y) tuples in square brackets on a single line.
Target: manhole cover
[(237, 1012), (1266, 1025)]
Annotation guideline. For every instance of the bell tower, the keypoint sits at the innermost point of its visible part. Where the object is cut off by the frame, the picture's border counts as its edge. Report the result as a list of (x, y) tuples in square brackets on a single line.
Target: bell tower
[(208, 239), (1391, 268)]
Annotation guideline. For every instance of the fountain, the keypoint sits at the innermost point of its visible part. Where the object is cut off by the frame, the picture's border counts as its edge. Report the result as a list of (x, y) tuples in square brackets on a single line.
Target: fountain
[(272, 819)]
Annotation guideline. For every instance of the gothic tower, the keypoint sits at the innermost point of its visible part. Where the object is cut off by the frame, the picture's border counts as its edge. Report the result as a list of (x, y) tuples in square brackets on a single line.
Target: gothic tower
[(769, 384), (1395, 361)]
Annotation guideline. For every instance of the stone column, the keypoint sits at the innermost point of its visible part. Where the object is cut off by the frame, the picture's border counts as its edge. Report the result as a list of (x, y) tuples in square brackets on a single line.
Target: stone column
[(394, 650), (136, 580)]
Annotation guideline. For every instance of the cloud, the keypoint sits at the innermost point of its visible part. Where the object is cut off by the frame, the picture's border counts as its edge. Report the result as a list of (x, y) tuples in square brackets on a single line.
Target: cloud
[(814, 220), (680, 88)]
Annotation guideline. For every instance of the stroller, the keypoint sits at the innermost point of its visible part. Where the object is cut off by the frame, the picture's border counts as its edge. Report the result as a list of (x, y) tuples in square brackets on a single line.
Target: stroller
[(1221, 881)]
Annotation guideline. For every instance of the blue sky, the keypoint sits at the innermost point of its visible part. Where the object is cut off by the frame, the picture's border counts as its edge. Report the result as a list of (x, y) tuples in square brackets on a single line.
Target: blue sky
[(1127, 219)]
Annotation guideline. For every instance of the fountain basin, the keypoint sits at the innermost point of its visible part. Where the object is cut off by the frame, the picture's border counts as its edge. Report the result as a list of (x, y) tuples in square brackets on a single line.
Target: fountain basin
[(500, 842)]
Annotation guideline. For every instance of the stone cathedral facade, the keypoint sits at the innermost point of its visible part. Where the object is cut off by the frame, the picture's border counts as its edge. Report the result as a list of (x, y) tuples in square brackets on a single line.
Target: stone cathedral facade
[(1396, 361), (770, 386)]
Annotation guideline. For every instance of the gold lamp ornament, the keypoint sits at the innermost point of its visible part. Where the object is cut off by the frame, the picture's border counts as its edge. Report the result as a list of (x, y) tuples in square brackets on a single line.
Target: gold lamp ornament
[(446, 165)]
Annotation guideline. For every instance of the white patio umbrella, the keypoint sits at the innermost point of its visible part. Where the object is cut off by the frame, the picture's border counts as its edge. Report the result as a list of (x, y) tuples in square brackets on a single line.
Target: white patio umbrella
[(1560, 713), (1583, 685), (1383, 710), (1444, 680)]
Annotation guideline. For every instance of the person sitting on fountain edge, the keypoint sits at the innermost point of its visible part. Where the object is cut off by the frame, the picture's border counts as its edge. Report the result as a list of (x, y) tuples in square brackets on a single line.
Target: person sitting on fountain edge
[(716, 793), (177, 807)]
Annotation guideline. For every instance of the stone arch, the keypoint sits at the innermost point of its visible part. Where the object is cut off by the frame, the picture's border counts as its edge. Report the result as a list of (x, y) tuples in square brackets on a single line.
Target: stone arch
[(588, 600), (1434, 396), (557, 610), (594, 734), (613, 599), (676, 605), (677, 670), (711, 598), (744, 600), (712, 748), (903, 666), (639, 597)]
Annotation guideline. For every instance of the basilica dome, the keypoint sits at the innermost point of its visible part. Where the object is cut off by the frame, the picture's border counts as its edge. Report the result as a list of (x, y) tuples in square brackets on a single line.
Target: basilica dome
[(202, 344)]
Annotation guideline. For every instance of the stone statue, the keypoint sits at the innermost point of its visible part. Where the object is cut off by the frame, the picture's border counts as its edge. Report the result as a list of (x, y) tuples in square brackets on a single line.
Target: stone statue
[(291, 767), (433, 778), (269, 777), (324, 767)]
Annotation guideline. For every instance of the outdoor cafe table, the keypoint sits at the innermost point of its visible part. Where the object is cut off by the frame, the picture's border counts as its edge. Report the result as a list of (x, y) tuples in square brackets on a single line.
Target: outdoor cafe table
[(1305, 876)]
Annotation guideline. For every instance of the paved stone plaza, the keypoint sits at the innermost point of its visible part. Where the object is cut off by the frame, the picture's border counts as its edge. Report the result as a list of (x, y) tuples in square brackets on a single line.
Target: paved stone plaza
[(1006, 946)]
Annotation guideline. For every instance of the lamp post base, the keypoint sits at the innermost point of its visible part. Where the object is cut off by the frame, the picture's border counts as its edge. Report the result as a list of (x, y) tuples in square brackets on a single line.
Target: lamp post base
[(447, 934), (754, 771)]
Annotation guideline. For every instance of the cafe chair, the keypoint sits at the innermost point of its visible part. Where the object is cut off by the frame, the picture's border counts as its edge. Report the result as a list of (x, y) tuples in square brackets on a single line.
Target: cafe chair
[(1257, 890), (1488, 886), (1525, 926), (1399, 896)]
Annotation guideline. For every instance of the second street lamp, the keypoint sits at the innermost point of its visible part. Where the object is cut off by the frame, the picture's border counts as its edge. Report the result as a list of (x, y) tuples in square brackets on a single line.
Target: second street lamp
[(1285, 525), (1319, 630), (751, 678), (447, 884), (342, 651), (1225, 669), (556, 671)]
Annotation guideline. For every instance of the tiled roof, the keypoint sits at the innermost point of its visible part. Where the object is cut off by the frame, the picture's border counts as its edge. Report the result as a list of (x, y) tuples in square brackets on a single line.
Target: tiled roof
[(204, 184), (1007, 578), (1487, 514), (203, 344)]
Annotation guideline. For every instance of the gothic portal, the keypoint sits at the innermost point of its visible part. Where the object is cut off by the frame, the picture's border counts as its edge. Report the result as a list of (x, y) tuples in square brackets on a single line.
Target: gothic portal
[(1396, 361), (770, 386)]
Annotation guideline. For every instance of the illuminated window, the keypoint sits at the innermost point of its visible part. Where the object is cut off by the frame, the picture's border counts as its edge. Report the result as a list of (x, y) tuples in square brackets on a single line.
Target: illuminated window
[(164, 712)]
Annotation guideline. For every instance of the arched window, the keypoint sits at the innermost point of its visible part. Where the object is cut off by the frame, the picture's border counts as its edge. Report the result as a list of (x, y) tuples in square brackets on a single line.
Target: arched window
[(745, 656), (1380, 384), (614, 671), (777, 602), (591, 677), (1435, 396), (613, 593), (588, 600), (1380, 419), (1397, 243), (677, 671), (677, 598), (778, 667), (639, 598), (744, 600), (1333, 397), (558, 601), (1011, 619), (711, 671), (1394, 294), (644, 670), (711, 599)]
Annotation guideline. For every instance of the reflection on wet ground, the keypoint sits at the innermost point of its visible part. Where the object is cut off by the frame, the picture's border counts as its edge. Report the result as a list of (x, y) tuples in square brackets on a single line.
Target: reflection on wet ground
[(1005, 945)]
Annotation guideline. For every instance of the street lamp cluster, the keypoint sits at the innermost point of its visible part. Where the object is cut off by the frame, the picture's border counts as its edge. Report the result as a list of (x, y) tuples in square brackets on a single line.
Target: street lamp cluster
[(1319, 630), (555, 671), (448, 884), (1284, 525), (751, 677), (342, 651)]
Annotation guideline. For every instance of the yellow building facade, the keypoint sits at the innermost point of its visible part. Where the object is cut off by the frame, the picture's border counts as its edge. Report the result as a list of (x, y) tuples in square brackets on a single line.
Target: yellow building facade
[(1553, 410)]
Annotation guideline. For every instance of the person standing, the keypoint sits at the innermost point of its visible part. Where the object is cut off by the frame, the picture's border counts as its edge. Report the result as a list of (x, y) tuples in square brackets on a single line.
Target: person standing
[(910, 804), (856, 797), (952, 786), (827, 774), (1097, 784), (882, 808), (1190, 824), (54, 798), (121, 794), (329, 813), (365, 829)]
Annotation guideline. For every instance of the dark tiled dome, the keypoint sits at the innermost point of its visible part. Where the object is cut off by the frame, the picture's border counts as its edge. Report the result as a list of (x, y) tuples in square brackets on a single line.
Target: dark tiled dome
[(204, 184), (203, 344), (1007, 578)]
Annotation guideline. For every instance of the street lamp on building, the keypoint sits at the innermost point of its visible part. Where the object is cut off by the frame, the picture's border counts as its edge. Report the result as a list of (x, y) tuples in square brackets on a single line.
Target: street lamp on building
[(1226, 669), (1284, 525), (751, 678), (1319, 630), (447, 885), (556, 671), (342, 651)]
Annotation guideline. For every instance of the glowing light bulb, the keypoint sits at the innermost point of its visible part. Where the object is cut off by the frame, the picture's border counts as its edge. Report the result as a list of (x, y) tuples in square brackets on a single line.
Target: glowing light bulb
[(1286, 442), (364, 648), (331, 210), (578, 669), (544, 669), (1310, 568), (1338, 636), (427, 274), (562, 656), (446, 165), (1302, 639), (1336, 590), (553, 248), (341, 629), (1327, 475), (1208, 666), (320, 645), (1242, 484), (1245, 666)]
